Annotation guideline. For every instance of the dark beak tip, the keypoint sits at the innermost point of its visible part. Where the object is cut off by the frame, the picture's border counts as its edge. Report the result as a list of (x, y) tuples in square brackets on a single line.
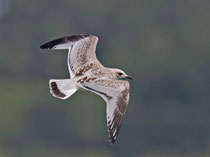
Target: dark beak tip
[(129, 77)]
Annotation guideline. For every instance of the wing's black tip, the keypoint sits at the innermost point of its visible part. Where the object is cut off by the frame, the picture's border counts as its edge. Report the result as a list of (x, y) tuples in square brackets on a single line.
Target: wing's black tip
[(112, 141), (44, 46), (63, 40)]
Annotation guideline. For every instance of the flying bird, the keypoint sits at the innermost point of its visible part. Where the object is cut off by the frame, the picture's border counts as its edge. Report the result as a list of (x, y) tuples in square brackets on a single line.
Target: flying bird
[(86, 72)]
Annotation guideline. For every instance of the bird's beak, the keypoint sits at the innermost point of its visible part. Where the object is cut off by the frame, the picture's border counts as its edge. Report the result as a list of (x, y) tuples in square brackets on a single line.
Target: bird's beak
[(129, 77)]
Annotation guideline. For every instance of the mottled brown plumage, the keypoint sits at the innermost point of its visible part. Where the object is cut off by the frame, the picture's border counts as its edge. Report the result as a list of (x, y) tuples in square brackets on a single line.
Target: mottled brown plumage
[(88, 73)]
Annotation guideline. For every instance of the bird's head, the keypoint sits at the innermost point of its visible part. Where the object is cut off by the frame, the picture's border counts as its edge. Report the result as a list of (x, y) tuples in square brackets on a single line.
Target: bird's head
[(121, 74)]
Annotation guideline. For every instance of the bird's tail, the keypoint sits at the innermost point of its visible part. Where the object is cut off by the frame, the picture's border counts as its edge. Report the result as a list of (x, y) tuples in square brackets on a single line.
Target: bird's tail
[(62, 89)]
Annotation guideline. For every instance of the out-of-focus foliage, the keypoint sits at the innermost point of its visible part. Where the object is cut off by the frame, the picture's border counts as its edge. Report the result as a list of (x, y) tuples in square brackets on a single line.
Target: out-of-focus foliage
[(163, 44)]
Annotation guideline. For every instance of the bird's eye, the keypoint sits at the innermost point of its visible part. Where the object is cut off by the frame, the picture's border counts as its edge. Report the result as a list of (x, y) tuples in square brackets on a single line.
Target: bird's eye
[(120, 74)]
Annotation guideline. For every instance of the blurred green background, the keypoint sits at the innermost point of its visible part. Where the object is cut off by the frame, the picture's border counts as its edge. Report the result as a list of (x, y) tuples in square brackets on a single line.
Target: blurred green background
[(164, 45)]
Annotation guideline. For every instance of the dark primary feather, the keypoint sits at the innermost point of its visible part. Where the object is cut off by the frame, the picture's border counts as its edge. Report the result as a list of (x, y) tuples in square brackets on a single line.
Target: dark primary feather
[(63, 40), (114, 126)]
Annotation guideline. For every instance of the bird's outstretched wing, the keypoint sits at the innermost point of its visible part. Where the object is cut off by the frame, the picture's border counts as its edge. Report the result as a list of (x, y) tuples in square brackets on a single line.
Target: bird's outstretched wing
[(116, 95), (81, 52)]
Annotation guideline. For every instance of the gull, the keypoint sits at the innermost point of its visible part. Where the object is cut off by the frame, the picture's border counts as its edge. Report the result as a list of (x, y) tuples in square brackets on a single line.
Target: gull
[(86, 72)]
